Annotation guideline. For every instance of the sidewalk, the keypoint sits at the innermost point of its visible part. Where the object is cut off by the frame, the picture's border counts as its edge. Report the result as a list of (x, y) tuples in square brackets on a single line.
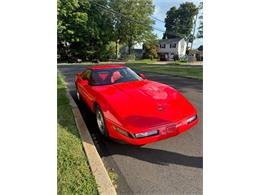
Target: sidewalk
[(197, 63)]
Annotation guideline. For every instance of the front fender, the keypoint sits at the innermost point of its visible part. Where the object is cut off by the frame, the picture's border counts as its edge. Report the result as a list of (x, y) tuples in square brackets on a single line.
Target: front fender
[(102, 102), (109, 113)]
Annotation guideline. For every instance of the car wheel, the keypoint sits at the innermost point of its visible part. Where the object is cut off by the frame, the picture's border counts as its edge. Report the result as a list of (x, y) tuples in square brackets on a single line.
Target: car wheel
[(78, 95), (101, 121)]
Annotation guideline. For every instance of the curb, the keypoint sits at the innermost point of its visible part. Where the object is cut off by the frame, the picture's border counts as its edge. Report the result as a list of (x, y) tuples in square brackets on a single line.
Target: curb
[(97, 167)]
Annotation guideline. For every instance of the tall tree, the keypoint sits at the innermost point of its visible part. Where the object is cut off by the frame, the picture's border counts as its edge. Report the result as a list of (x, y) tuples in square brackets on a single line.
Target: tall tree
[(132, 22), (150, 51), (150, 47), (100, 29), (200, 28), (72, 25), (179, 22), (84, 29)]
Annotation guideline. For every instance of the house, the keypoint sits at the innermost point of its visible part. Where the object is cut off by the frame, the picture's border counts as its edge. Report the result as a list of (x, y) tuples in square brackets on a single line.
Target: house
[(136, 52), (172, 48)]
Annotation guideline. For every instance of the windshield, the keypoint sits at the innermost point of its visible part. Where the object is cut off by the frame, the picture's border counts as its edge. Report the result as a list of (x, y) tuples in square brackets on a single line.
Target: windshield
[(113, 75)]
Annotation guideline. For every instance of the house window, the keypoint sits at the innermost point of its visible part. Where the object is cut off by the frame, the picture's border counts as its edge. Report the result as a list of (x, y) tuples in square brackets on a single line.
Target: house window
[(162, 45), (173, 45)]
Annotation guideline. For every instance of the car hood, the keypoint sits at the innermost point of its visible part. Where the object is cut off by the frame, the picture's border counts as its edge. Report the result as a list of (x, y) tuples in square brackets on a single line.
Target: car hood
[(144, 104)]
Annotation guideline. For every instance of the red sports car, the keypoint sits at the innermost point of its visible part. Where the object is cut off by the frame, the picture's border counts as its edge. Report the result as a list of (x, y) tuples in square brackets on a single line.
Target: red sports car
[(131, 108)]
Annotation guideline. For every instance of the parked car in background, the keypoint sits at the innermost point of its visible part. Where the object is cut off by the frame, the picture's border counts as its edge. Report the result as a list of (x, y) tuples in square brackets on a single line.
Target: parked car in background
[(74, 60), (95, 60)]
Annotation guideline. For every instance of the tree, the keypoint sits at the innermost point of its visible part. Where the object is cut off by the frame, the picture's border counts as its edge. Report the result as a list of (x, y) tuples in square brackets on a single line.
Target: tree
[(100, 29), (150, 51), (72, 25), (132, 22), (87, 27), (108, 51), (200, 28), (150, 47), (179, 22), (84, 29)]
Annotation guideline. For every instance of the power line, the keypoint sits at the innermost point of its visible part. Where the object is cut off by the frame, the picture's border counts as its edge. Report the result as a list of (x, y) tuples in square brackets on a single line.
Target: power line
[(157, 19), (109, 9), (126, 17)]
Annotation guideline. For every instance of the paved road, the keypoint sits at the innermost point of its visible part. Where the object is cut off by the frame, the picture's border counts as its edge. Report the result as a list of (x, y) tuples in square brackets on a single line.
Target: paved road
[(171, 166)]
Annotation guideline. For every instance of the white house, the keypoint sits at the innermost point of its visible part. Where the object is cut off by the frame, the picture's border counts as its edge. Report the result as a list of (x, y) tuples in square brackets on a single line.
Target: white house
[(171, 48)]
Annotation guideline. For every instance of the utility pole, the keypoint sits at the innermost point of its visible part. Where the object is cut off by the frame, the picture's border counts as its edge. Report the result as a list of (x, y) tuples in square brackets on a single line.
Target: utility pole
[(116, 49)]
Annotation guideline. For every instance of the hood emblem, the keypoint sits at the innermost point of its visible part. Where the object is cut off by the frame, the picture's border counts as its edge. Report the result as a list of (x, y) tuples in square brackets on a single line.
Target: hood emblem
[(160, 108)]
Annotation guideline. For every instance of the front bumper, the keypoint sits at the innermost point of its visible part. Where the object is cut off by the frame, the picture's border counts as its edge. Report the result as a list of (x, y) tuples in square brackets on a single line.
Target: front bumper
[(165, 131)]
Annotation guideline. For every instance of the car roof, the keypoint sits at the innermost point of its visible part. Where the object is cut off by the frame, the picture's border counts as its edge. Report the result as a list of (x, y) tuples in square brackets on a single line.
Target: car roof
[(107, 66)]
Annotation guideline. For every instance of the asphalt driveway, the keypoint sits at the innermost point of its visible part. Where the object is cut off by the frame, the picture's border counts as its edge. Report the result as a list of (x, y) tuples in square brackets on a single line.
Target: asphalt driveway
[(171, 166)]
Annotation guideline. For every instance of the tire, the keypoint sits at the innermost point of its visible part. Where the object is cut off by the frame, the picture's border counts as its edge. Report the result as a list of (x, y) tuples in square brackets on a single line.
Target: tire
[(101, 121), (78, 95)]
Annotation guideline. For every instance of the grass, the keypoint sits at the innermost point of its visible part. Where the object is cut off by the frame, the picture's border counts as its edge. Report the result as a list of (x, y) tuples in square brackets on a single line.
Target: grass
[(178, 62), (142, 61), (74, 174), (178, 70), (154, 62), (114, 177)]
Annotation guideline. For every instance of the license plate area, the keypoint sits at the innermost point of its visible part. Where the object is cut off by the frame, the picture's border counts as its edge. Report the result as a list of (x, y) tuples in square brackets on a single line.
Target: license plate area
[(171, 129)]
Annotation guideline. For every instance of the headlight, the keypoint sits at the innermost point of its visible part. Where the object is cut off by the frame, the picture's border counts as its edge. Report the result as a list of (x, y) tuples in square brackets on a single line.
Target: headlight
[(123, 132), (146, 134), (192, 119)]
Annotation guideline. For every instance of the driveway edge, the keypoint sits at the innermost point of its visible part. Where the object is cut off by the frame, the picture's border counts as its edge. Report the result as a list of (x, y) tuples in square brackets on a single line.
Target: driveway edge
[(104, 184)]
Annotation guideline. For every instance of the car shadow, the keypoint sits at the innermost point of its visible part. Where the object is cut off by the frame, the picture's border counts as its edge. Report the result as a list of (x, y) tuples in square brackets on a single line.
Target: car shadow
[(154, 156)]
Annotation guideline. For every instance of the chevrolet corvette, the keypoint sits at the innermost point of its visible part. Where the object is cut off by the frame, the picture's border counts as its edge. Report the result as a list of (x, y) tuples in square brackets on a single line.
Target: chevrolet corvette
[(133, 109)]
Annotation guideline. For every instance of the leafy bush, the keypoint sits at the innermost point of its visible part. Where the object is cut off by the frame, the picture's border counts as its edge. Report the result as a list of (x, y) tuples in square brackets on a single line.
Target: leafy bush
[(150, 51)]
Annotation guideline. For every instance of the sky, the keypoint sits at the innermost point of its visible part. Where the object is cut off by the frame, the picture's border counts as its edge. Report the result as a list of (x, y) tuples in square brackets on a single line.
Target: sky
[(161, 7)]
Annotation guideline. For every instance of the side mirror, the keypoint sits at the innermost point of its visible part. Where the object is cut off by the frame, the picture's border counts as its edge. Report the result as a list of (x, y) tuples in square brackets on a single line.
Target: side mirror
[(84, 82), (142, 75)]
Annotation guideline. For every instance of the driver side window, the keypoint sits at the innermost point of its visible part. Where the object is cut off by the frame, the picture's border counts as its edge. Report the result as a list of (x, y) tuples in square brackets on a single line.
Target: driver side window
[(86, 75)]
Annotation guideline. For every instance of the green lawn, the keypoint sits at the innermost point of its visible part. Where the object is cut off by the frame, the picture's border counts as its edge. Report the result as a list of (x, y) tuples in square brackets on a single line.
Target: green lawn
[(142, 61), (74, 174), (178, 70), (154, 62), (157, 62)]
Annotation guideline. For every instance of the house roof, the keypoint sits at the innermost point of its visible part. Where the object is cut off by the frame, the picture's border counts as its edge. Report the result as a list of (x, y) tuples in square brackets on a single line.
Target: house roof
[(175, 40)]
